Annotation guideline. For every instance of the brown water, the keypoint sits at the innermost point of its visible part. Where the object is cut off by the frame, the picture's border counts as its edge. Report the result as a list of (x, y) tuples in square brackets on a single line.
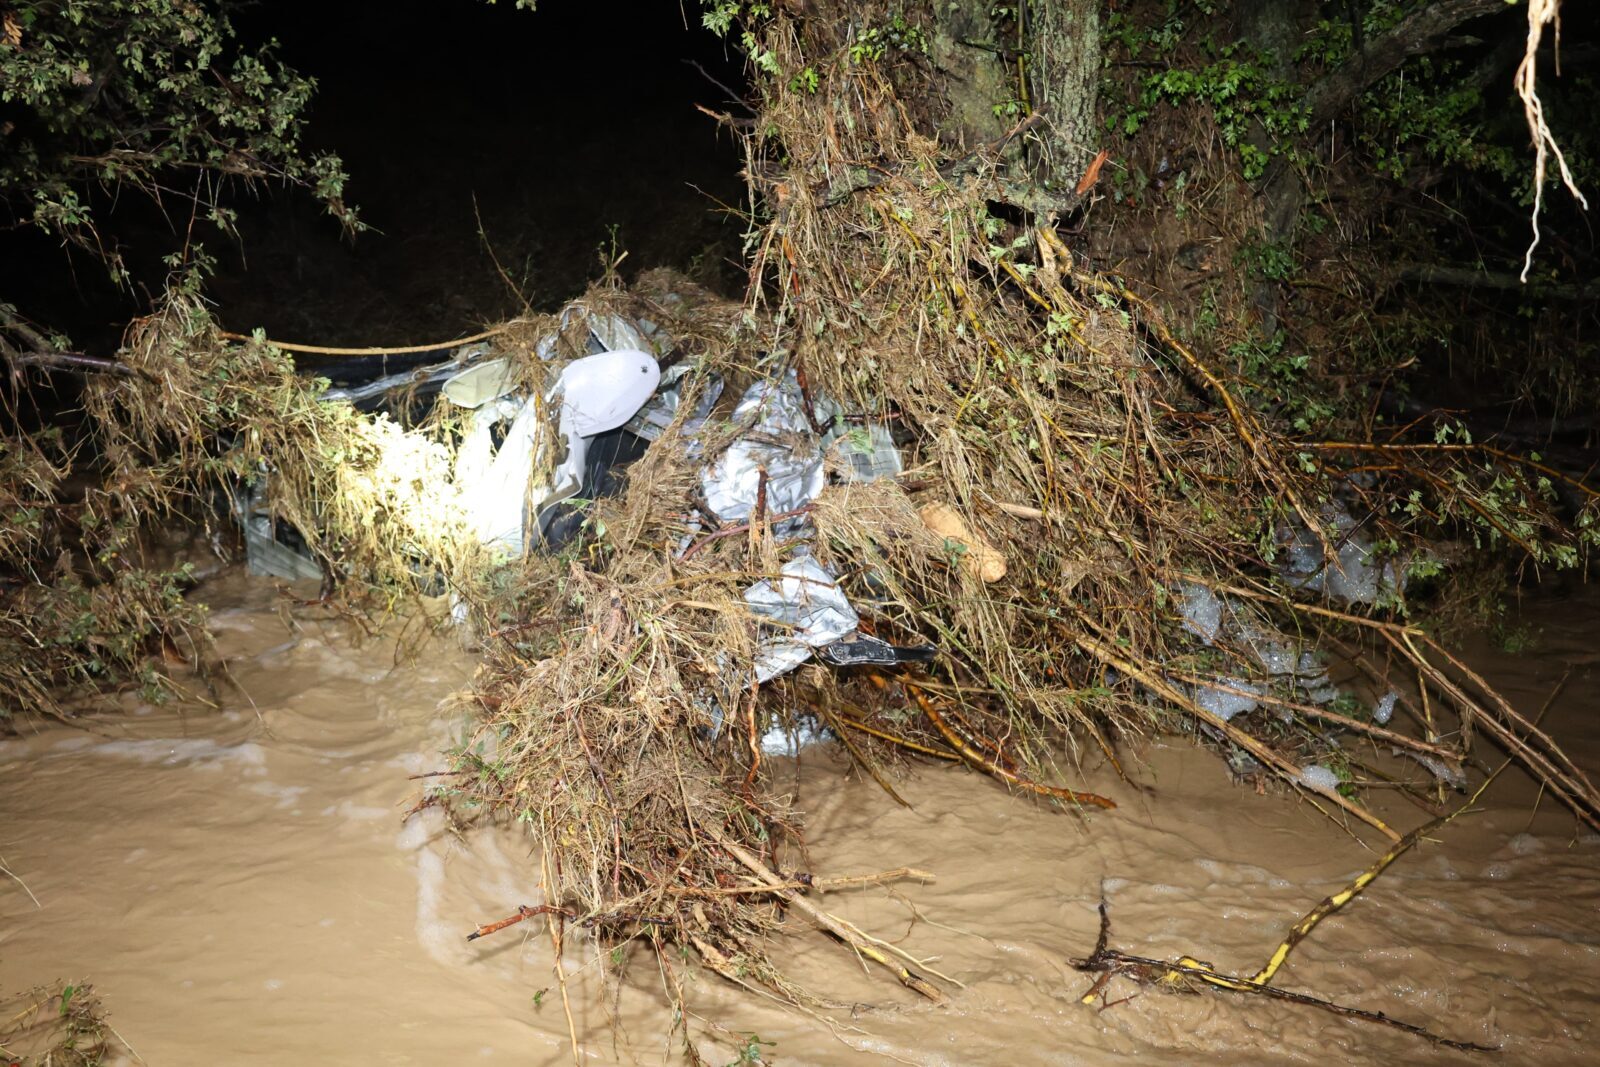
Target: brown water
[(240, 889)]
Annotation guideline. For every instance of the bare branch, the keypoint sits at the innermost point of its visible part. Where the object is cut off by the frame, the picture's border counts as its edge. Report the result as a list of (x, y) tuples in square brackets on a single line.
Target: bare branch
[(1467, 277), (68, 361), (1419, 32)]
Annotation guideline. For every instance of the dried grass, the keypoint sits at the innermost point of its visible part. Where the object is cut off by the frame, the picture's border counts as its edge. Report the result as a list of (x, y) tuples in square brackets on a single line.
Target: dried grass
[(1045, 404), (61, 1025), (1050, 408)]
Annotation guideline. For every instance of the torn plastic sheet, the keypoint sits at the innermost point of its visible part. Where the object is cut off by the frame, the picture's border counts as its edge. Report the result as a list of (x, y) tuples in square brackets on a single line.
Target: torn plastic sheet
[(1354, 574), (868, 453), (420, 379), (654, 418), (264, 554), (603, 332), (808, 602), (493, 482), (779, 444), (477, 385)]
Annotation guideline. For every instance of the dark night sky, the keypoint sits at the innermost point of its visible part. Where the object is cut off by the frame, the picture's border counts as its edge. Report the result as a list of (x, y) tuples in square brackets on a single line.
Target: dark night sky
[(562, 123)]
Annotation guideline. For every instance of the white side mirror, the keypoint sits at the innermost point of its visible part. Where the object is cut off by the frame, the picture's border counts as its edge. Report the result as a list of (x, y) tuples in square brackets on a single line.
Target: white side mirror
[(596, 393), (601, 392)]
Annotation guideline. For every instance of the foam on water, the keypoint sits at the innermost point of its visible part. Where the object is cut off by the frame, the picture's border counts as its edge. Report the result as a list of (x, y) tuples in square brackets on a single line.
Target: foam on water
[(440, 937), (1316, 776), (1524, 845), (285, 795), (352, 812), (202, 753)]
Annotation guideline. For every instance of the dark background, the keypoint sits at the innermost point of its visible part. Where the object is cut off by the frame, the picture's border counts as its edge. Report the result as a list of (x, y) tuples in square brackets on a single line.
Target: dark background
[(567, 125)]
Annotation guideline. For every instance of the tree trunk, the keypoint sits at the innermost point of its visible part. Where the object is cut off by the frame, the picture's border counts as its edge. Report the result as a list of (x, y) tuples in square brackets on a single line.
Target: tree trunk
[(1275, 28), (1052, 66), (1065, 79)]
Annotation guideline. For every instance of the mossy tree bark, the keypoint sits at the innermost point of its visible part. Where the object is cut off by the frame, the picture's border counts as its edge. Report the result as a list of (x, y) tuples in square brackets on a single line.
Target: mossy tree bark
[(1046, 58), (1065, 72)]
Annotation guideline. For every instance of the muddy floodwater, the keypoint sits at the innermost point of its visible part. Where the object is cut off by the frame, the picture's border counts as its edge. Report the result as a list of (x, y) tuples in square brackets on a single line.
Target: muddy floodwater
[(239, 887)]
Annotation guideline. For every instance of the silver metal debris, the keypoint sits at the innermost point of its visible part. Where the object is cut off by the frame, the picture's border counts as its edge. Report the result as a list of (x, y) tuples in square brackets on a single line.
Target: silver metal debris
[(808, 603)]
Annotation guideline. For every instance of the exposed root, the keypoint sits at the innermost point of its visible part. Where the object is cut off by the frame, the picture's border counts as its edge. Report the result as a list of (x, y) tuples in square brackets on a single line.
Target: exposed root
[(1188, 973)]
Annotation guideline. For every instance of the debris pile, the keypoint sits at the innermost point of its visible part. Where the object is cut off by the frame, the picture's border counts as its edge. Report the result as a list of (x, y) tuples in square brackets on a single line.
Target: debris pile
[(935, 487)]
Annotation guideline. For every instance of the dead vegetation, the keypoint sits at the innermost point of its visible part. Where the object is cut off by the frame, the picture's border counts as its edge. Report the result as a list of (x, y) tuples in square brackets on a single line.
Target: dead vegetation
[(1106, 463), (63, 1025)]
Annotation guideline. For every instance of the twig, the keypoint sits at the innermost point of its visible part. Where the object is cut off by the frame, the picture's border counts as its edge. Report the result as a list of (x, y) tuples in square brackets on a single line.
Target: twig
[(1314, 712), (1110, 961), (733, 97), (1554, 752), (1021, 511), (805, 883), (15, 322), (524, 911), (988, 766), (71, 361), (1249, 431), (1456, 446), (404, 350), (1547, 761), (553, 922), (835, 926), (832, 719), (1297, 605), (856, 881), (1147, 971), (7, 872), (884, 735), (743, 527), (1166, 690), (1330, 904)]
